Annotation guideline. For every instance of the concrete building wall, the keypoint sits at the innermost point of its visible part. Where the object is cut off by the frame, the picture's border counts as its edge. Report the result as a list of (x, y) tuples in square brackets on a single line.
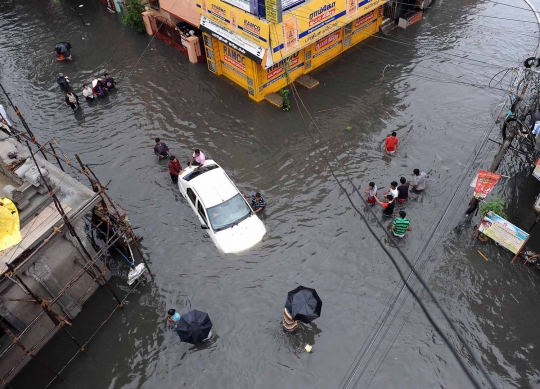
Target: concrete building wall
[(45, 275)]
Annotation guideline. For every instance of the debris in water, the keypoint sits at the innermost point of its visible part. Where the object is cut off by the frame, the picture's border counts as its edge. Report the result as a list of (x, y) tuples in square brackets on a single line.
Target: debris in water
[(483, 256), (308, 348)]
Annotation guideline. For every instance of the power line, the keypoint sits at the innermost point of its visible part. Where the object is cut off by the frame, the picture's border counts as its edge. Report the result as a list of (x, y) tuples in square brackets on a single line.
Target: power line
[(391, 257), (476, 14), (480, 145), (507, 5), (422, 66), (378, 35), (405, 281), (440, 80)]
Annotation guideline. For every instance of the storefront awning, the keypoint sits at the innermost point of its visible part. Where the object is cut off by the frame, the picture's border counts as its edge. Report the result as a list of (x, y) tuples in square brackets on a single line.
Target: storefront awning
[(235, 41)]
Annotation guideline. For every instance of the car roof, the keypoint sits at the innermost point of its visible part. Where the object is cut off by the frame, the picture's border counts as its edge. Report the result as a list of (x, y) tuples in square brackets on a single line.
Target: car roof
[(214, 187)]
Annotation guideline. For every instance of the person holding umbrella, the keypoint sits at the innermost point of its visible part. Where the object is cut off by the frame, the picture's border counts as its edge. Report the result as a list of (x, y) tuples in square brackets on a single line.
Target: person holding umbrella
[(289, 324), (303, 304), (173, 317), (62, 51), (194, 327)]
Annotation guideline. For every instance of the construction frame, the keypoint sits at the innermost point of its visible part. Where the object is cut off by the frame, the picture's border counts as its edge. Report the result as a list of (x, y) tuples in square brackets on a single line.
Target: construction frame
[(102, 214)]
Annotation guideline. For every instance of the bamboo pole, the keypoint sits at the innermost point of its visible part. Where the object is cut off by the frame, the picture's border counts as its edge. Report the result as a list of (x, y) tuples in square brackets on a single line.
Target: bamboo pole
[(46, 307), (25, 125), (27, 351), (70, 226), (56, 156), (129, 230)]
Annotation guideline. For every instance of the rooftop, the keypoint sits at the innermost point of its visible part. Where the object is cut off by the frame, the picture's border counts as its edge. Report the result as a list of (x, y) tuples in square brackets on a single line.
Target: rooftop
[(20, 181)]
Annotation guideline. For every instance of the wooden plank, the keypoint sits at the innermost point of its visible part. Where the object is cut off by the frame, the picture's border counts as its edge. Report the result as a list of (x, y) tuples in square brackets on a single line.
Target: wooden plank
[(32, 231)]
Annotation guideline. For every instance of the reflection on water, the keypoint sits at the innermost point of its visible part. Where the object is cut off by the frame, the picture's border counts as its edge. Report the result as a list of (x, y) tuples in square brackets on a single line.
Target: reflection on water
[(422, 82)]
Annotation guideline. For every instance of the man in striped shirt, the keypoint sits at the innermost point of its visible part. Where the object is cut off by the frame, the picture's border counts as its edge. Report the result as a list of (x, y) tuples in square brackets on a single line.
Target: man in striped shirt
[(401, 225)]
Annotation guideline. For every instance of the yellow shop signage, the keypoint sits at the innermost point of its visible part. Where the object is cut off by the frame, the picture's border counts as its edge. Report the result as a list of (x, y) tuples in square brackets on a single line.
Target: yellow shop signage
[(275, 75), (236, 20), (322, 13), (279, 68), (315, 20), (234, 58)]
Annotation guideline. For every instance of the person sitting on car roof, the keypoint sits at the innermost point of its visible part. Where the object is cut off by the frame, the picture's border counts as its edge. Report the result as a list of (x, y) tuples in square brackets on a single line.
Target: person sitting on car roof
[(197, 159)]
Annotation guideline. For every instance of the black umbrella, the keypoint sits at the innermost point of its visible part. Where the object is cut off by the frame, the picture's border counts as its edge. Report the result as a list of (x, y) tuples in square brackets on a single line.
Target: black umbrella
[(62, 47), (194, 327), (304, 304)]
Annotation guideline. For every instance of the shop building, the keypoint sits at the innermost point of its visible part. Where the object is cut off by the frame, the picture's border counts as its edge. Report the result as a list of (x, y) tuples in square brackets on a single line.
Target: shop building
[(264, 54), (263, 45)]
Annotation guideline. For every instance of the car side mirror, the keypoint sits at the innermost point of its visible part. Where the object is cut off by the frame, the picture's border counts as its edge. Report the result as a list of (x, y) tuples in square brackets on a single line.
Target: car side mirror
[(204, 226)]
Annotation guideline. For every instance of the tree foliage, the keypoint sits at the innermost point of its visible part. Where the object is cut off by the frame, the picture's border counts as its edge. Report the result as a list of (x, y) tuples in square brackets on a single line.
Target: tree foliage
[(496, 205), (132, 15)]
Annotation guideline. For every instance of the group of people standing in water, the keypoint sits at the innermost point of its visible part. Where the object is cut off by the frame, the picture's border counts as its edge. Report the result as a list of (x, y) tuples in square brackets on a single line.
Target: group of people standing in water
[(397, 193), (99, 88)]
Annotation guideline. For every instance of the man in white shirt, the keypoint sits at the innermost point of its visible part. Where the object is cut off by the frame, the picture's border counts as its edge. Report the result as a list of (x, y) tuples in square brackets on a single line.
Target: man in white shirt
[(87, 93), (419, 180), (393, 190)]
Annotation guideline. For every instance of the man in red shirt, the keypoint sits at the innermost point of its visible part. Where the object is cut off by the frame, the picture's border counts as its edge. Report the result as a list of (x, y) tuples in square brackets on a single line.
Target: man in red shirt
[(175, 169), (392, 143)]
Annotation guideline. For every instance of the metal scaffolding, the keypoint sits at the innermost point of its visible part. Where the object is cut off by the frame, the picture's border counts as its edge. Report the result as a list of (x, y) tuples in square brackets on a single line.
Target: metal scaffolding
[(106, 215)]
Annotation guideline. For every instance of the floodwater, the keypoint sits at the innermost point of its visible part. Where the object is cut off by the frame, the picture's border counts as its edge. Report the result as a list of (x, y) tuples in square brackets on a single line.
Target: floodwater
[(429, 83)]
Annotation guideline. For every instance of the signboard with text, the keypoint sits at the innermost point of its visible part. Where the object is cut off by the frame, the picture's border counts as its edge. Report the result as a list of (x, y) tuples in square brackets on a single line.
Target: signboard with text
[(276, 73), (503, 232), (274, 11), (315, 20), (485, 182), (247, 48), (237, 21)]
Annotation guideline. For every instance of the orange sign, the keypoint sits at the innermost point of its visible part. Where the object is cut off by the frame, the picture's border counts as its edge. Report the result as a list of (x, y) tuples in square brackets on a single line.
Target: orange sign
[(485, 183), (290, 33), (352, 7), (364, 19), (234, 20), (327, 41)]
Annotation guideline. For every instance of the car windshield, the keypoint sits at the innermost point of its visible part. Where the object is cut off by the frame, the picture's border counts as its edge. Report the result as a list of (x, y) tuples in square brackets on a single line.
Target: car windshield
[(229, 213)]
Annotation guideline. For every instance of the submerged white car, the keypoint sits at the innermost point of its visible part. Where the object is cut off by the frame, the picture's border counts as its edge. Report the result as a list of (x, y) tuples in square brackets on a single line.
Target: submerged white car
[(221, 208)]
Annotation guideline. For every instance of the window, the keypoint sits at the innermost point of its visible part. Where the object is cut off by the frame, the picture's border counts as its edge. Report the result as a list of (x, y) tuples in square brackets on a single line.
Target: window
[(229, 213), (192, 196), (200, 208)]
